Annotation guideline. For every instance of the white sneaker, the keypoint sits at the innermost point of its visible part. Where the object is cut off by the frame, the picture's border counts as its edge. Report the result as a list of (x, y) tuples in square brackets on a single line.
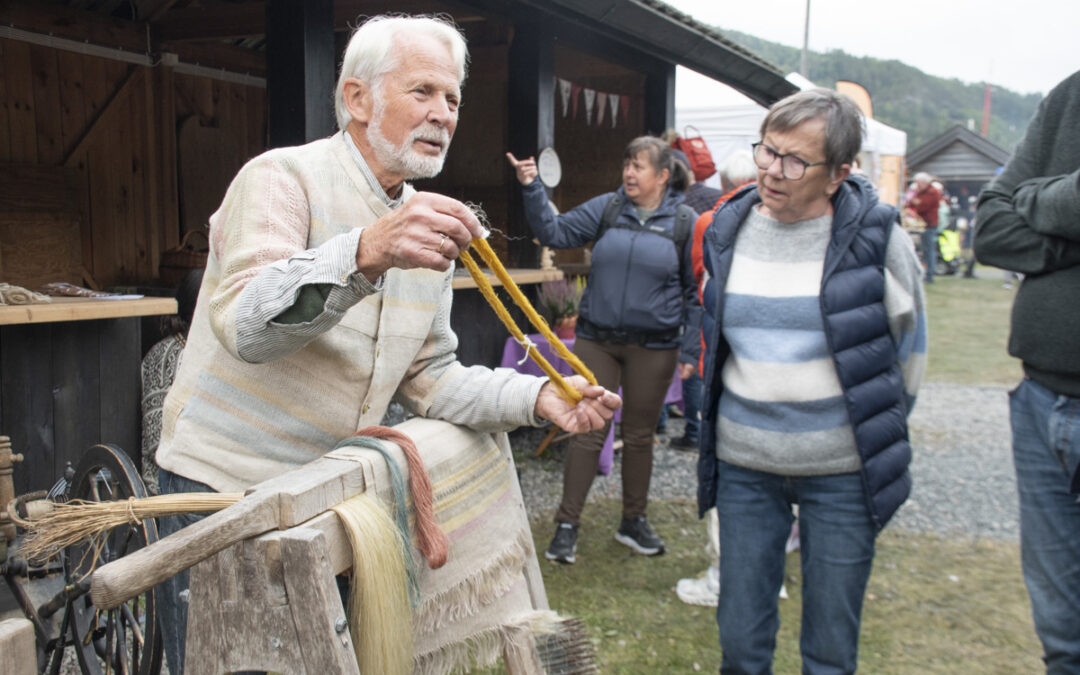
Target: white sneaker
[(702, 591), (783, 592)]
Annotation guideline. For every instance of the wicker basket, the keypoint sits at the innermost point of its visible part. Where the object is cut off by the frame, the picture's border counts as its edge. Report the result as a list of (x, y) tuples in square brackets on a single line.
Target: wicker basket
[(178, 261)]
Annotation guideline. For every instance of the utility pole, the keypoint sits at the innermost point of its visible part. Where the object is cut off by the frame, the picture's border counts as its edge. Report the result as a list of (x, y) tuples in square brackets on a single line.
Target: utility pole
[(986, 111), (805, 70)]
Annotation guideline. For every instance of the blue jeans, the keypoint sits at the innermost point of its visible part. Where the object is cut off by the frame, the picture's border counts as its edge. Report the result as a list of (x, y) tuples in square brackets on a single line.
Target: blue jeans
[(929, 251), (691, 397), (171, 594), (837, 547), (1046, 452)]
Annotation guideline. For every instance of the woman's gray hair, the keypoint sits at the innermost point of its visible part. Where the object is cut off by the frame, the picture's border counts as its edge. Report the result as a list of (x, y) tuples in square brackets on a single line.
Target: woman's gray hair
[(843, 122), (739, 168), (370, 53), (660, 157)]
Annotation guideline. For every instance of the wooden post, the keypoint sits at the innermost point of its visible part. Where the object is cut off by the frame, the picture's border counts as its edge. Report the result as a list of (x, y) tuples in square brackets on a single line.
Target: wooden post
[(532, 108), (660, 99), (299, 70)]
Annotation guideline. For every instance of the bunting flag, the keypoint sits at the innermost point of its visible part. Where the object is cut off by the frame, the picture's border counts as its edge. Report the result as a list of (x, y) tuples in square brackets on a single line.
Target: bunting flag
[(608, 106), (564, 94), (590, 99)]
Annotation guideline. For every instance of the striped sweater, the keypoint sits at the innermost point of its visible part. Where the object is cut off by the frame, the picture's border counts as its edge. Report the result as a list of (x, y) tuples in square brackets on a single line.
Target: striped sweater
[(261, 391), (782, 409)]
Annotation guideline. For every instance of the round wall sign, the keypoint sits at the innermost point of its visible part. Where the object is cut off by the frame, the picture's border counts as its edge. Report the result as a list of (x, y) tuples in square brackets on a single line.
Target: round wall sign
[(549, 168)]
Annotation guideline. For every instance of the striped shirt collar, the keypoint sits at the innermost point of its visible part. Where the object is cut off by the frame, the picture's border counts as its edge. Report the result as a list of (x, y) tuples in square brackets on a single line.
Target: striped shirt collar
[(373, 182)]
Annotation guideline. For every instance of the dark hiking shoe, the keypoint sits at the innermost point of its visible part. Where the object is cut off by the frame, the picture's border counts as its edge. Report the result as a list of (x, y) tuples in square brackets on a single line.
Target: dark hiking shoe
[(685, 443), (563, 545), (637, 534)]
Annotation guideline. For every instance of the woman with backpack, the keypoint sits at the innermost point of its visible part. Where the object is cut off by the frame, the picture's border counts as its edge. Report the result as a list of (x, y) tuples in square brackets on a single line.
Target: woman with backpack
[(630, 327)]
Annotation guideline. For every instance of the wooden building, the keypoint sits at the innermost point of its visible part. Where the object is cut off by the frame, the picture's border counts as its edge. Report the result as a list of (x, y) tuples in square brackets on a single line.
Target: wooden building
[(123, 121), (961, 159)]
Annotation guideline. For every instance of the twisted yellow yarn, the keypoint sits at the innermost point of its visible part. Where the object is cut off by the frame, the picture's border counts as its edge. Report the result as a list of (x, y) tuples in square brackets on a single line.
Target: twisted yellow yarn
[(488, 255)]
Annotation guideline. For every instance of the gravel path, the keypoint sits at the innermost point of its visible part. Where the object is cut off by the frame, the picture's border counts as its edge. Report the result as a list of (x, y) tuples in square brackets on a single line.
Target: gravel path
[(964, 483)]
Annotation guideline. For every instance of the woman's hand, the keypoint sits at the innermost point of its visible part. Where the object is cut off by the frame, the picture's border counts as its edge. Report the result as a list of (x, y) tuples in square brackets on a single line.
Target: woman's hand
[(597, 406), (525, 168), (686, 371)]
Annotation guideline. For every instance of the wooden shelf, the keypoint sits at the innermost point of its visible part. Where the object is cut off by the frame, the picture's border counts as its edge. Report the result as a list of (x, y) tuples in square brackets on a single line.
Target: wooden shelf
[(84, 309), (520, 277)]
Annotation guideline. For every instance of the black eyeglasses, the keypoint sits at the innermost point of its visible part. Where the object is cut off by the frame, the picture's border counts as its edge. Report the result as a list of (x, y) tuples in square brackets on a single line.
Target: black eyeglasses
[(792, 167)]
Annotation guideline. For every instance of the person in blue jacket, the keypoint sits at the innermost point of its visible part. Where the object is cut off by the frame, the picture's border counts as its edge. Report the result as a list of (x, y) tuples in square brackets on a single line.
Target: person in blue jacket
[(815, 345), (630, 327)]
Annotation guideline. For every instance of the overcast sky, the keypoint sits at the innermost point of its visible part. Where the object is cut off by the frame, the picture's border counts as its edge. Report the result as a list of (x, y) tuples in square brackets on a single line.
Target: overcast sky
[(1024, 45)]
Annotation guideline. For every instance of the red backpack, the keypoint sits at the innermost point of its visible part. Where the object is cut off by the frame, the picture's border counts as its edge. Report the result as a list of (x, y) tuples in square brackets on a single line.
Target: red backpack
[(701, 161)]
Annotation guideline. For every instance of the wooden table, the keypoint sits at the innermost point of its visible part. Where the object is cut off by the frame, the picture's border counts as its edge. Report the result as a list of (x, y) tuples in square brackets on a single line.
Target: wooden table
[(84, 309), (69, 378)]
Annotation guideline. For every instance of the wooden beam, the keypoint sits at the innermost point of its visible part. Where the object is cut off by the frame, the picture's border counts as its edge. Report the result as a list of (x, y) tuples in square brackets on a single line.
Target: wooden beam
[(660, 99), (214, 22), (347, 13), (532, 102), (73, 24), (125, 88), (219, 55), (151, 10), (300, 71)]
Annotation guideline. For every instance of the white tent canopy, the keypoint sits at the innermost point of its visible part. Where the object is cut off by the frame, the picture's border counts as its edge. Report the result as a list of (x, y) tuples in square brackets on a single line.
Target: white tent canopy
[(730, 126)]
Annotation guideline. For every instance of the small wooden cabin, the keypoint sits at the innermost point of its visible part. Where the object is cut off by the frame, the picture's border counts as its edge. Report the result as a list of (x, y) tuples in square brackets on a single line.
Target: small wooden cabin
[(123, 121), (961, 159)]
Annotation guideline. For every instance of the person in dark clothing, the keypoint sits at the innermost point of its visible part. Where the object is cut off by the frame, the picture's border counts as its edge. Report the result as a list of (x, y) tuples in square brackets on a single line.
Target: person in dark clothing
[(1028, 221), (925, 202), (700, 198), (631, 320)]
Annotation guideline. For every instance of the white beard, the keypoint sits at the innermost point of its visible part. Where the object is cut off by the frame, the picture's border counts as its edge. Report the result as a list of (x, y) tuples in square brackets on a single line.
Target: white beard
[(402, 159)]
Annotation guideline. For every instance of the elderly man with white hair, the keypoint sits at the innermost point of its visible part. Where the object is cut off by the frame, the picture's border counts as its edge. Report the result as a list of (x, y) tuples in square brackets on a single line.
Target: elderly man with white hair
[(327, 293)]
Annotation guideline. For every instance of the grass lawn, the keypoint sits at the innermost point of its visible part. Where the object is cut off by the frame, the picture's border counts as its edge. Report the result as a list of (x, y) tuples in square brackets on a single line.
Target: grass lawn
[(934, 605), (969, 330)]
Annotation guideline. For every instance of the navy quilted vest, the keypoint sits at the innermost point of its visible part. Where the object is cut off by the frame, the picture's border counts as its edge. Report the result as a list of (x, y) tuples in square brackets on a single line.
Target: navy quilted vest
[(857, 331)]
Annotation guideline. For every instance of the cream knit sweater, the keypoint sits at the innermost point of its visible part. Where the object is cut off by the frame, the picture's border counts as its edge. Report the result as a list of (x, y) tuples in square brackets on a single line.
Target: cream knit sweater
[(253, 397)]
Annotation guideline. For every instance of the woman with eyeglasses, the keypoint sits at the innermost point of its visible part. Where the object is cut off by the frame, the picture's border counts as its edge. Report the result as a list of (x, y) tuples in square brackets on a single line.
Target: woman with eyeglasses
[(815, 332), (630, 329)]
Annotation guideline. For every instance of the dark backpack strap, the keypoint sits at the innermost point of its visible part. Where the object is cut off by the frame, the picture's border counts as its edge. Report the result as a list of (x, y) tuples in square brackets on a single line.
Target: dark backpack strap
[(684, 226), (684, 223), (610, 216)]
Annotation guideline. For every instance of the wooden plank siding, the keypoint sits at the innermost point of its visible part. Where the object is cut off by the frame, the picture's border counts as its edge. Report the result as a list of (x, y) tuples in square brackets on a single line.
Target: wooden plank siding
[(65, 387), (22, 124), (5, 126), (115, 125)]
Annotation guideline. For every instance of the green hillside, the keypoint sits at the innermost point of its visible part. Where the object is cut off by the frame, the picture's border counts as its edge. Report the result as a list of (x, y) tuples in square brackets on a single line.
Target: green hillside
[(905, 97)]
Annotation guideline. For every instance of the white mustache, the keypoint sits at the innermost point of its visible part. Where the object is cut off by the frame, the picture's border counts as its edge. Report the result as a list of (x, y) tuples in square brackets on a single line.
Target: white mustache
[(432, 134)]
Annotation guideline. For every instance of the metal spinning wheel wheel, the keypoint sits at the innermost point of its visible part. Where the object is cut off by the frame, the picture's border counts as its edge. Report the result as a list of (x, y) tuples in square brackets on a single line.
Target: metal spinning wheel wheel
[(126, 639)]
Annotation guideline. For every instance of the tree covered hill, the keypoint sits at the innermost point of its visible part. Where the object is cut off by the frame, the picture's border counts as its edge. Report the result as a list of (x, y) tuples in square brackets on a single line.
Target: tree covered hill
[(905, 97)]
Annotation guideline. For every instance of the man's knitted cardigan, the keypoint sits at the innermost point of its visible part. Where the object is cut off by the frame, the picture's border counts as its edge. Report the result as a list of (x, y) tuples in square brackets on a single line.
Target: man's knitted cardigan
[(256, 396)]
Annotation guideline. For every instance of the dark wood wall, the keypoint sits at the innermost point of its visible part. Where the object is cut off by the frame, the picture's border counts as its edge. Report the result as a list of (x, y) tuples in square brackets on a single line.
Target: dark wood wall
[(121, 128), (65, 387)]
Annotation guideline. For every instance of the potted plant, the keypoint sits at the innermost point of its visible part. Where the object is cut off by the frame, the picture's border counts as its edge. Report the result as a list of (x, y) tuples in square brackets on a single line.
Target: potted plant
[(560, 300)]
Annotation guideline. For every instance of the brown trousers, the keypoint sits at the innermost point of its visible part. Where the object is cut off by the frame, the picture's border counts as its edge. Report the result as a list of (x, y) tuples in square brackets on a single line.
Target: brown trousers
[(644, 375)]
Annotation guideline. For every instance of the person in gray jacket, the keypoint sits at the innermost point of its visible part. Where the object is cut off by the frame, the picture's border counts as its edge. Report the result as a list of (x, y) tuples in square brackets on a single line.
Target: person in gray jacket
[(1028, 221), (630, 327)]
